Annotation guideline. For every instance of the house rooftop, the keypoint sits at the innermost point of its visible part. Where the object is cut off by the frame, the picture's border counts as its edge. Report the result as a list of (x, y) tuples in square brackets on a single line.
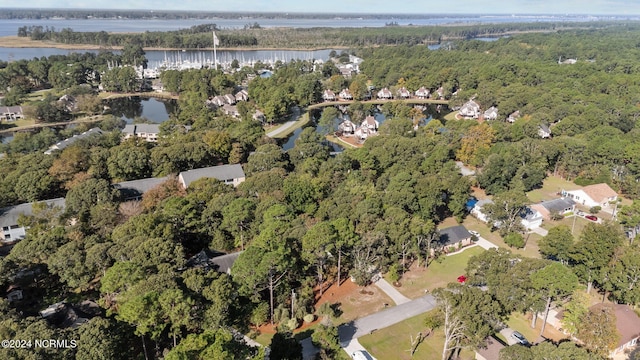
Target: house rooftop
[(70, 141), (136, 188), (9, 215), (141, 128), (558, 204), (222, 173), (627, 321), (454, 234), (599, 192), (492, 349), (224, 263), (529, 214)]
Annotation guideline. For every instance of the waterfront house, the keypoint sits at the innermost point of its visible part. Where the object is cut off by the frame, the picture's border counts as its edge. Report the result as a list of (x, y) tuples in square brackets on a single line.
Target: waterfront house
[(345, 94), (385, 94), (328, 95), (347, 128), (371, 123), (470, 109), (593, 195), (229, 174), (11, 113), (403, 93), (70, 141), (491, 113), (422, 93), (148, 132)]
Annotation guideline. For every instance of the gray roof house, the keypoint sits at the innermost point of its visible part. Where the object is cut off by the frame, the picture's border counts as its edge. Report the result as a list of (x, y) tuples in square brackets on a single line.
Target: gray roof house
[(560, 206), (491, 113), (149, 132), (229, 174), (454, 236), (213, 260), (134, 189), (70, 141), (544, 131), (10, 231)]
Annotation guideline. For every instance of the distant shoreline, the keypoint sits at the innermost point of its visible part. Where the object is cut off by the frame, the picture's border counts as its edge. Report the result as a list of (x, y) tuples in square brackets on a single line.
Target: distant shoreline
[(23, 42)]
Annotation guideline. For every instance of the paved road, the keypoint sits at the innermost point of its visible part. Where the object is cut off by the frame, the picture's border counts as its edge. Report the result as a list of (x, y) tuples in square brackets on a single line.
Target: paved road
[(282, 129)]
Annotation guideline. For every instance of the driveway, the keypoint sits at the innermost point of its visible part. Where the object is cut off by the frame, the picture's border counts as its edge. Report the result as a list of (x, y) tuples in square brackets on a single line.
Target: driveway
[(485, 244), (350, 332), (540, 231), (385, 318)]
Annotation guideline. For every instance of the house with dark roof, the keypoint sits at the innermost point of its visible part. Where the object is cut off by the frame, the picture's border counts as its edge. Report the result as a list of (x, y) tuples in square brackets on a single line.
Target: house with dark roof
[(455, 236), (134, 189), (213, 260), (70, 141), (544, 131), (148, 132), (10, 230), (560, 206), (229, 174)]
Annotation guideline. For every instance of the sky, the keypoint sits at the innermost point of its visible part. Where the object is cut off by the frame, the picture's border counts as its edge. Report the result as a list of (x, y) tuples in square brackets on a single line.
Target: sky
[(592, 7)]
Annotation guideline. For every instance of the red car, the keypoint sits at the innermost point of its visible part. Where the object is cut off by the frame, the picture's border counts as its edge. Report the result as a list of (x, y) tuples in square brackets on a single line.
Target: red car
[(591, 217)]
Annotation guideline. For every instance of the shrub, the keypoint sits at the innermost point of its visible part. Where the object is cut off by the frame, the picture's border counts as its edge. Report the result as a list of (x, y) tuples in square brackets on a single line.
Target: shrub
[(309, 318), (594, 210), (260, 314), (514, 240)]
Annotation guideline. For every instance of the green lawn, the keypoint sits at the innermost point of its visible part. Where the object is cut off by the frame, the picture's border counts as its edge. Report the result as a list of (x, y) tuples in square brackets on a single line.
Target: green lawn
[(551, 186), (530, 250), (438, 274), (580, 223), (393, 342)]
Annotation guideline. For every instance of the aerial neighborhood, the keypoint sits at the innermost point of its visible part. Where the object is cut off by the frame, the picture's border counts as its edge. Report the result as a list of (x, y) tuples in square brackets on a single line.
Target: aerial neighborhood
[(422, 192)]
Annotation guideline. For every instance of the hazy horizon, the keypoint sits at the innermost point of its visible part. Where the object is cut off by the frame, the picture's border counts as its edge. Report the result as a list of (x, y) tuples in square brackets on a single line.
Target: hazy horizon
[(354, 7)]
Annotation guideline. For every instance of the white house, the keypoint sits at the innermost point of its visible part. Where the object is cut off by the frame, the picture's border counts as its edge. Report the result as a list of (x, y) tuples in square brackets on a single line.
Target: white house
[(478, 212), (470, 109), (422, 93), (345, 94), (491, 113), (10, 231), (531, 218), (593, 195), (403, 93), (11, 113), (242, 95), (514, 116), (148, 132), (385, 94), (328, 95), (347, 127), (70, 141)]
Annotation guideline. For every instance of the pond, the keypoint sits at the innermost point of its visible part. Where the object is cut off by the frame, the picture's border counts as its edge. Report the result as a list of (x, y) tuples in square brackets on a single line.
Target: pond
[(152, 109)]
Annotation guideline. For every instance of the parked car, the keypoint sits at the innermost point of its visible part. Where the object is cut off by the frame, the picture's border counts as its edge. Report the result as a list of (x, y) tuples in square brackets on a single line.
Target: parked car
[(475, 233), (520, 338), (591, 217), (361, 355)]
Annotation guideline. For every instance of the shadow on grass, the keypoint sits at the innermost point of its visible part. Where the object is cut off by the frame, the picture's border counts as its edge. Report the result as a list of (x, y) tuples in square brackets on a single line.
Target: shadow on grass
[(7, 126)]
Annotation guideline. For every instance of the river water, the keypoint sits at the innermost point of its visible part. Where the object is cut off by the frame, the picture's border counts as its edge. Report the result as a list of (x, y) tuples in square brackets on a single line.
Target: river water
[(10, 26)]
